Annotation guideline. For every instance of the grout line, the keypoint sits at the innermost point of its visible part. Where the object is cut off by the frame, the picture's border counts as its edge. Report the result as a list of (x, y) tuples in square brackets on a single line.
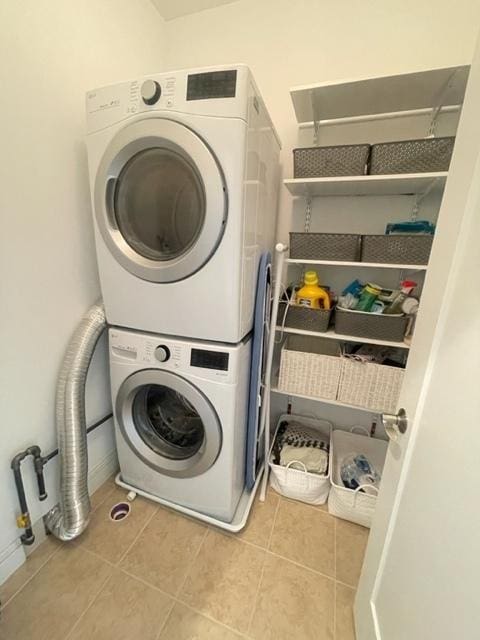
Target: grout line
[(345, 584), (302, 566), (262, 572), (142, 529), (164, 623), (94, 598), (190, 565), (30, 578)]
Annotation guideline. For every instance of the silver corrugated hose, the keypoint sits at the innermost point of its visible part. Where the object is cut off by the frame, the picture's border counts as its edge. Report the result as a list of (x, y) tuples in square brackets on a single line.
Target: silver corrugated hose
[(70, 517)]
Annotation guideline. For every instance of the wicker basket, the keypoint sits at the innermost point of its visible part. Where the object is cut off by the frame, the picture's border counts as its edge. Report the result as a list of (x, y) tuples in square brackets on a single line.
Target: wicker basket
[(310, 366), (411, 156), (305, 318), (326, 246), (370, 325), (344, 160), (350, 504), (397, 249), (370, 385), (294, 483)]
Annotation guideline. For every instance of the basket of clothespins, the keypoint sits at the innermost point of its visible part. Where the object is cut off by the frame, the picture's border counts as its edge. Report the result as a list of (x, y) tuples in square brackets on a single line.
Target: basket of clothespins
[(299, 458)]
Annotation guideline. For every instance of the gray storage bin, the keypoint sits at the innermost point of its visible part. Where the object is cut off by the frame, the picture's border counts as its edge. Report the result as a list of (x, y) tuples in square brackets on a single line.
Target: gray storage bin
[(343, 160), (397, 249), (338, 247), (411, 156), (363, 324), (305, 318)]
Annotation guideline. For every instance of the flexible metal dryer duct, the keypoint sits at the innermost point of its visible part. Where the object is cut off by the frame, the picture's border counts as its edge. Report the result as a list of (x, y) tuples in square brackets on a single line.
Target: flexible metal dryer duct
[(70, 517)]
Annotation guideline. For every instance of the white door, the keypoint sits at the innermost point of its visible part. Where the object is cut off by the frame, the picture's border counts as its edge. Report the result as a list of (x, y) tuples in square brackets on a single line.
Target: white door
[(422, 566)]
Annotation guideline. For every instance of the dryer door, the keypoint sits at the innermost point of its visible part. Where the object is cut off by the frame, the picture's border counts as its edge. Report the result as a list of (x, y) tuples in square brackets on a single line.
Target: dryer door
[(168, 423), (160, 200)]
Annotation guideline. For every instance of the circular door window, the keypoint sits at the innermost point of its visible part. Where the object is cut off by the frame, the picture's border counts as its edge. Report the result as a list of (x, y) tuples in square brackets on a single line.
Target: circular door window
[(168, 423), (159, 204), (160, 200)]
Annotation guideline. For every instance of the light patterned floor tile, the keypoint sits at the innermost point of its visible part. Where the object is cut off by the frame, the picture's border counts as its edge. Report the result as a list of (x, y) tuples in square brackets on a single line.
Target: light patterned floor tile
[(110, 540), (260, 522), (305, 535), (223, 580), (185, 624), (49, 605), (164, 551), (102, 493), (344, 627), (293, 602), (33, 563), (351, 541), (125, 609)]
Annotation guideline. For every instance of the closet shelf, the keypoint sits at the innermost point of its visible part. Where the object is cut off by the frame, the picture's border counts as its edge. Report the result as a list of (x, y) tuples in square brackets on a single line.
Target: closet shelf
[(361, 265), (382, 185), (331, 335), (381, 95), (335, 403)]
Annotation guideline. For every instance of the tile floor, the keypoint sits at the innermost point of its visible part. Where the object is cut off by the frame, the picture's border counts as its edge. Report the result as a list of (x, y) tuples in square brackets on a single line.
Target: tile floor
[(157, 575)]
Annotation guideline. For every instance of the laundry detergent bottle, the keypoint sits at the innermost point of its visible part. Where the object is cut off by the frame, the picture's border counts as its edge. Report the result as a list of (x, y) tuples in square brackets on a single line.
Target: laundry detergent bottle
[(310, 294)]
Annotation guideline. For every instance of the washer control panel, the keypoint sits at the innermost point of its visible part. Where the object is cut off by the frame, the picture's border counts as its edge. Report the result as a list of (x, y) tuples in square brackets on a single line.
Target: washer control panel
[(202, 360)]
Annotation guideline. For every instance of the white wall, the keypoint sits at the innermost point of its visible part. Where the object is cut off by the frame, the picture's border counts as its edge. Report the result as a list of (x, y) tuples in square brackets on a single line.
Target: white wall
[(51, 53), (288, 43)]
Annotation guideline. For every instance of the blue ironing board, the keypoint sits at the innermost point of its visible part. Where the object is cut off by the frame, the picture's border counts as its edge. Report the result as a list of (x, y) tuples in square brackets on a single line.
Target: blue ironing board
[(261, 324)]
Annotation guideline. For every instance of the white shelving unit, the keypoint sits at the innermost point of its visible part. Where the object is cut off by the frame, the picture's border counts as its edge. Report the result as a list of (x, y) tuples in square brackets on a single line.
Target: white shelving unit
[(384, 185), (360, 265), (351, 103), (332, 335)]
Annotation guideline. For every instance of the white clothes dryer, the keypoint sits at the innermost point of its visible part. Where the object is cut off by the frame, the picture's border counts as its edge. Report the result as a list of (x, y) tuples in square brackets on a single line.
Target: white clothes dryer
[(184, 180), (180, 410)]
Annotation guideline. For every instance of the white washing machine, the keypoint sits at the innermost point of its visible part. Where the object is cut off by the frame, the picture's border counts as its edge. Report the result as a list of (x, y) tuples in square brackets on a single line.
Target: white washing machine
[(184, 180), (180, 411)]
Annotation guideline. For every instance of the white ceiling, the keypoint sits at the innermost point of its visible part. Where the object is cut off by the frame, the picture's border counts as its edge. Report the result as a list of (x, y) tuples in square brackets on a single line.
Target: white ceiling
[(170, 9)]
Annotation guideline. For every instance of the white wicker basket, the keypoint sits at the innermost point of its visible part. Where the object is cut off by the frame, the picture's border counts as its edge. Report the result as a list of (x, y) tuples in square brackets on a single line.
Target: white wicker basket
[(370, 385), (349, 504), (301, 485), (310, 366)]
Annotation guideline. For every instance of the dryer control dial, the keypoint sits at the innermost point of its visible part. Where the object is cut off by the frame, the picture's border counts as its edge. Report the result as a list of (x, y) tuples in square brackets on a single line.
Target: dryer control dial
[(151, 91), (162, 353)]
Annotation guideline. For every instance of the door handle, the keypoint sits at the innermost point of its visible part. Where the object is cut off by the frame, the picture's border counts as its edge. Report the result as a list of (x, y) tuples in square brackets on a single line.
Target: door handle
[(395, 423)]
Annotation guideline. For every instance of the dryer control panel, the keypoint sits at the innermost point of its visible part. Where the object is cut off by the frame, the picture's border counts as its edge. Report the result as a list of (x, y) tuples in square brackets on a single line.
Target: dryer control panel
[(199, 359)]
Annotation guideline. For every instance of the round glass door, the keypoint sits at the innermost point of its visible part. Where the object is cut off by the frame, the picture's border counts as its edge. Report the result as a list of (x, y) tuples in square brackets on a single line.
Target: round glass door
[(160, 200), (168, 423), (159, 204)]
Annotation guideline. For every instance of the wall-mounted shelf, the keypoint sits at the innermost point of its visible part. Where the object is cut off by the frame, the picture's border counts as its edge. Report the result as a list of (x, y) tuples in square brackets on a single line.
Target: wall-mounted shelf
[(331, 335), (361, 265), (385, 185), (335, 403), (387, 94)]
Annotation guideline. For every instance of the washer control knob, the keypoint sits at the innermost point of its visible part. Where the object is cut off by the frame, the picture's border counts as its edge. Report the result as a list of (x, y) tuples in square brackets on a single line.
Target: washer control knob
[(162, 353), (151, 91)]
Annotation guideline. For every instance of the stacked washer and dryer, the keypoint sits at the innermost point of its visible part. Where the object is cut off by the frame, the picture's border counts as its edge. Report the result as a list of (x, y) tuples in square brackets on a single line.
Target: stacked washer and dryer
[(184, 179)]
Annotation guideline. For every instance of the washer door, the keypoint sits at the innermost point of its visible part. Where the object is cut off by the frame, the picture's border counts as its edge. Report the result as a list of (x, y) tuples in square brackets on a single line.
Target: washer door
[(168, 423), (160, 200)]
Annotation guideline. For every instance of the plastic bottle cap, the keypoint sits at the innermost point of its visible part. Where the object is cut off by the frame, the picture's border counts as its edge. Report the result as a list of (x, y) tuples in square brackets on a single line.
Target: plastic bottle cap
[(311, 277), (408, 283)]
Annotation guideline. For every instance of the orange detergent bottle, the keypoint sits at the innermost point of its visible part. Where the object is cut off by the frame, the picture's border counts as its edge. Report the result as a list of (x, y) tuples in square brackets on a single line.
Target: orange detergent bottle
[(311, 295)]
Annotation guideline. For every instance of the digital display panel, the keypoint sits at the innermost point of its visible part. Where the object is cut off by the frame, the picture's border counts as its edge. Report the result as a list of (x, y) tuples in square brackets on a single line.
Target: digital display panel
[(209, 359), (214, 84)]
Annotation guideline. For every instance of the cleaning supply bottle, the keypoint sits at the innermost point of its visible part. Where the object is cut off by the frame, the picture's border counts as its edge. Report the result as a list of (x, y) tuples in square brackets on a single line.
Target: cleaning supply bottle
[(368, 296), (407, 286), (310, 294)]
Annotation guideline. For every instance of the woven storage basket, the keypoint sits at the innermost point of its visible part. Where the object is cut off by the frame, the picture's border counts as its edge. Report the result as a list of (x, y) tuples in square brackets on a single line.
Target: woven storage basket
[(370, 325), (343, 160), (349, 504), (411, 156), (294, 483), (305, 318), (370, 385), (397, 249), (310, 366), (326, 246)]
